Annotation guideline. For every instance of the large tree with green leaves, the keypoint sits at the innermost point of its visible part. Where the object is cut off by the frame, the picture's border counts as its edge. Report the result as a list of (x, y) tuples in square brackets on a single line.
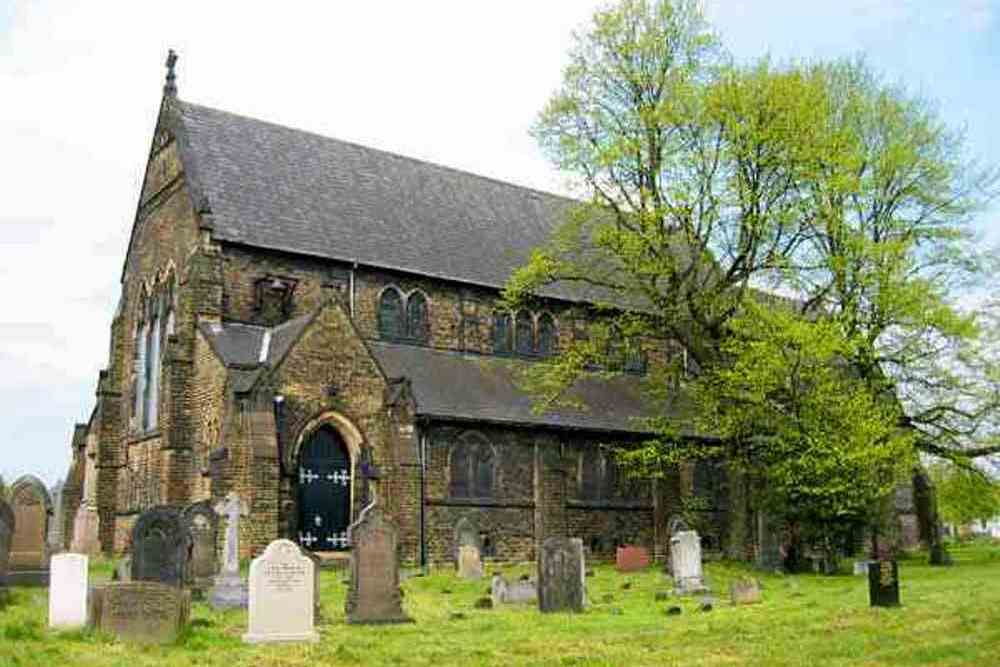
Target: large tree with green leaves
[(704, 182)]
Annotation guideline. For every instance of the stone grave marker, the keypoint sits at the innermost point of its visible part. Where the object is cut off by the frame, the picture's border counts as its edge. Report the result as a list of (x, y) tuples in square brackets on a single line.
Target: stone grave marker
[(202, 524), (55, 537), (883, 583), (230, 591), (561, 582), (317, 564), (7, 524), (470, 565), (744, 591), (631, 558), (685, 562), (502, 591), (68, 591), (282, 583), (28, 563), (141, 611), (467, 535), (374, 595), (861, 567), (160, 546)]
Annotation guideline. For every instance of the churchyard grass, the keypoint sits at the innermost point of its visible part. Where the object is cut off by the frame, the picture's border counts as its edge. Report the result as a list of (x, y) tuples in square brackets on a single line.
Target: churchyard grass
[(950, 616)]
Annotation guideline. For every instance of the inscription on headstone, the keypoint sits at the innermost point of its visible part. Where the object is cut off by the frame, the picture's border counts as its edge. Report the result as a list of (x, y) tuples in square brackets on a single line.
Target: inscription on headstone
[(374, 595), (685, 562), (561, 582), (282, 583), (141, 611), (29, 555), (68, 591), (883, 583), (160, 547)]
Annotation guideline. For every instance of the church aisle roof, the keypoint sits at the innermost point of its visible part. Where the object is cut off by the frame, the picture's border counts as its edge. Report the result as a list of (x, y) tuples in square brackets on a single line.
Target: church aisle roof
[(275, 187)]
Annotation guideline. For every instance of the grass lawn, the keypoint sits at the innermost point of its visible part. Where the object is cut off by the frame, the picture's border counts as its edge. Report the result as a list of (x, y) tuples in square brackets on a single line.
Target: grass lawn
[(950, 616)]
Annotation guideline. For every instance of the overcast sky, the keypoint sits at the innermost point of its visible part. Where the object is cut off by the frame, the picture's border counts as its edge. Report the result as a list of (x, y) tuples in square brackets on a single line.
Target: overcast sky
[(454, 82)]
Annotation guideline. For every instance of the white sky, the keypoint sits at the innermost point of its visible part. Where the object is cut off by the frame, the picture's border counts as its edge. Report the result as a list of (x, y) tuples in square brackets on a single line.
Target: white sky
[(454, 82)]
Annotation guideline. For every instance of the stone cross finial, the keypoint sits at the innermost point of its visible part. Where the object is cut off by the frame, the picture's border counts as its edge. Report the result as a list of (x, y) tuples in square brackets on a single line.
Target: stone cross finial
[(170, 89)]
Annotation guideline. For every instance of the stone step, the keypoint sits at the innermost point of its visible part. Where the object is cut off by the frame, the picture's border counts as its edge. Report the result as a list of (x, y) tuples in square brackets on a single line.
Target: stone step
[(333, 560)]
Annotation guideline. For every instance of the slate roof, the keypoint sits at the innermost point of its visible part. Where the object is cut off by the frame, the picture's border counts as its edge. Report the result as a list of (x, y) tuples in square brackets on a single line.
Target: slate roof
[(274, 187), (453, 385), (247, 346)]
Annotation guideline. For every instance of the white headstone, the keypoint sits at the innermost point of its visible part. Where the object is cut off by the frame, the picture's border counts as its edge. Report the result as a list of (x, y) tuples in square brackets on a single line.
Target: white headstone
[(68, 591), (281, 596), (470, 565), (685, 562)]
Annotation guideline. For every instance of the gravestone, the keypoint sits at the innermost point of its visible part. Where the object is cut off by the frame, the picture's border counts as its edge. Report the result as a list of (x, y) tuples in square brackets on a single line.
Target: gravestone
[(202, 524), (374, 595), (160, 546), (861, 567), (561, 582), (631, 558), (123, 569), (883, 583), (230, 591), (744, 591), (467, 535), (502, 591), (769, 537), (317, 564), (685, 562), (470, 565), (7, 524), (141, 611), (68, 591), (282, 589), (28, 563), (55, 536)]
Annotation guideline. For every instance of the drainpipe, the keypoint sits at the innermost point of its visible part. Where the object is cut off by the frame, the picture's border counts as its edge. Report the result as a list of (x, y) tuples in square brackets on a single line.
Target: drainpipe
[(279, 419), (351, 288), (423, 501)]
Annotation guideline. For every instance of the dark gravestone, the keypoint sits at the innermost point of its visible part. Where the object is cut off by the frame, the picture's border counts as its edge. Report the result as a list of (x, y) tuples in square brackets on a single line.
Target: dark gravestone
[(561, 580), (141, 611), (202, 525), (374, 595), (160, 547), (883, 583), (28, 563), (7, 524)]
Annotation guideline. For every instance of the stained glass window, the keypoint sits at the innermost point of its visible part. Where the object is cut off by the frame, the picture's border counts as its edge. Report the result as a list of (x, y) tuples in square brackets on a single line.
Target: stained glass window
[(546, 335), (416, 317), (390, 314), (525, 336), (501, 333), (472, 467)]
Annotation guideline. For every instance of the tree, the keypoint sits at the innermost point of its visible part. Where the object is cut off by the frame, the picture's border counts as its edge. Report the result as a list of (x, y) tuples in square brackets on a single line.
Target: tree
[(965, 495)]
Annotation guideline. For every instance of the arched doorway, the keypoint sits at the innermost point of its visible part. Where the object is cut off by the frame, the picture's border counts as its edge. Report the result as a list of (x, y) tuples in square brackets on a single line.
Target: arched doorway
[(324, 491)]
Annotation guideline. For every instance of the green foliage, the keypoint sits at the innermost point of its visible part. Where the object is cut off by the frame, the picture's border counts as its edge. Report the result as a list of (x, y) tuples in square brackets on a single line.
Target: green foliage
[(964, 494)]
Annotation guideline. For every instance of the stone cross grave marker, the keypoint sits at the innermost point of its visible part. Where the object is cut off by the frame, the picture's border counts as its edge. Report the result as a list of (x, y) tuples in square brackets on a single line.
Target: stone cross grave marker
[(7, 524), (29, 555), (561, 575), (160, 547), (230, 591), (68, 591), (685, 562), (141, 611), (202, 524), (282, 584), (470, 565), (374, 595)]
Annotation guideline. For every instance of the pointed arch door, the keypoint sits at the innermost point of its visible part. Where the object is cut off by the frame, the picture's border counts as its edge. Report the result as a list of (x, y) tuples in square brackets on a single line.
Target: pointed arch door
[(324, 482)]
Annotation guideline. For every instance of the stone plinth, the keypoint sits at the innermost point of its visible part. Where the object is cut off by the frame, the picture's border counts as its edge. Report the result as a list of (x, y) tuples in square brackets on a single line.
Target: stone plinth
[(141, 611)]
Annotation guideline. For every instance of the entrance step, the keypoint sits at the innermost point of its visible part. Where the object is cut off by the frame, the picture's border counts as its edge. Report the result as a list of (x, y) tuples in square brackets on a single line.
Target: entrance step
[(333, 560)]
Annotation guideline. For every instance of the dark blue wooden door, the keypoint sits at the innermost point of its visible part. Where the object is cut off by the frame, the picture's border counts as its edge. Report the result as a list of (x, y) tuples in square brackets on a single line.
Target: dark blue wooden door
[(324, 492)]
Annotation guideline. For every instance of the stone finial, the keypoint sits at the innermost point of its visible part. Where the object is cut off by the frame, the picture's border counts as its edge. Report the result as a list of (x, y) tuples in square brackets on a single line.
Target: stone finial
[(170, 89)]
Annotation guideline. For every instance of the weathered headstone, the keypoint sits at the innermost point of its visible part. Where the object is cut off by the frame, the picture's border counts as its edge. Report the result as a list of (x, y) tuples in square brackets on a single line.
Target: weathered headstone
[(685, 562), (230, 591), (631, 558), (883, 583), (55, 535), (317, 564), (123, 569), (68, 591), (160, 547), (282, 583), (7, 524), (502, 591), (744, 591), (202, 524), (470, 565), (29, 555), (561, 582), (467, 535), (374, 595), (769, 537), (141, 611)]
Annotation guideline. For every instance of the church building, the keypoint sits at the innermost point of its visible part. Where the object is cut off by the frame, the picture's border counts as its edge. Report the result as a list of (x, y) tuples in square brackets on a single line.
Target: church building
[(315, 325)]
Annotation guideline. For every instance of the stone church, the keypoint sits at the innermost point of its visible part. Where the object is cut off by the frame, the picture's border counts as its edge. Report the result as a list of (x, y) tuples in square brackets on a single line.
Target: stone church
[(314, 324)]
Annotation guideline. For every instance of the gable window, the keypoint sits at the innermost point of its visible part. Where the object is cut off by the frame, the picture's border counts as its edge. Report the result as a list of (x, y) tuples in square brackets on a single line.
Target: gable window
[(471, 467), (502, 333), (524, 337), (417, 324), (390, 314), (546, 335)]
